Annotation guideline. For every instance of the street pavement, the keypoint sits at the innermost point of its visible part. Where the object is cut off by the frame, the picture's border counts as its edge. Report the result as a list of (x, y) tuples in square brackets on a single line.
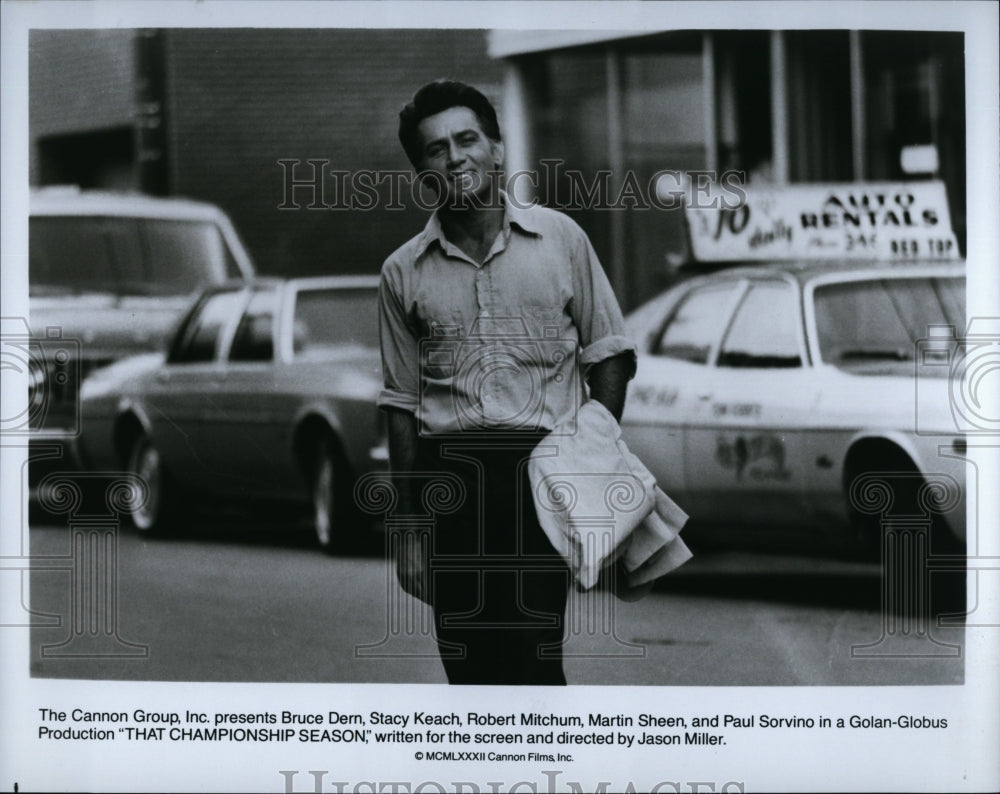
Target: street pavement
[(224, 601)]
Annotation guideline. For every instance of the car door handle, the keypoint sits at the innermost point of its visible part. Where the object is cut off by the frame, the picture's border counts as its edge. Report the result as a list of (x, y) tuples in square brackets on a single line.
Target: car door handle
[(704, 397)]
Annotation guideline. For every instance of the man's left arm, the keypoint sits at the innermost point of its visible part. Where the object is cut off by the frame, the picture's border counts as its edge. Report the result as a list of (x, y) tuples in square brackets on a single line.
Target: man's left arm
[(608, 381), (608, 355)]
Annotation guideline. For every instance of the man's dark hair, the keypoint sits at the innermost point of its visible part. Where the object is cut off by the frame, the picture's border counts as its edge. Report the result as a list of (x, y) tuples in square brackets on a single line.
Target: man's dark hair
[(434, 98)]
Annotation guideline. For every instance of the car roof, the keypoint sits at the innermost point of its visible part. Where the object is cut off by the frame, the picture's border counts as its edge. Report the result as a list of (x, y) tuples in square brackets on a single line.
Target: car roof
[(337, 282), (69, 200), (353, 281), (807, 270)]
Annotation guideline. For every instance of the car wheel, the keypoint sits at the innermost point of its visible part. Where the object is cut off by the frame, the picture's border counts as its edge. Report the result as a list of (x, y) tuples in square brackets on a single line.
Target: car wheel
[(905, 549), (329, 514), (897, 488), (152, 514)]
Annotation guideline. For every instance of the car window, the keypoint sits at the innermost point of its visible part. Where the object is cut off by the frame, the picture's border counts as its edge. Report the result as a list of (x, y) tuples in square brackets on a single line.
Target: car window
[(883, 319), (326, 317), (201, 334), (765, 330), (254, 339), (76, 254), (698, 323), (126, 256), (180, 255)]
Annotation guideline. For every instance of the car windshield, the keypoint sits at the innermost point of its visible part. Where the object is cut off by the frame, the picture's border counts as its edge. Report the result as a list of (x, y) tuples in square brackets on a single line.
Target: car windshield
[(125, 256), (333, 317), (883, 319)]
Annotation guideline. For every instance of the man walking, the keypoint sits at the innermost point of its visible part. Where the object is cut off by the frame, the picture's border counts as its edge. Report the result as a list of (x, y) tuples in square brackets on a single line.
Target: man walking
[(491, 320)]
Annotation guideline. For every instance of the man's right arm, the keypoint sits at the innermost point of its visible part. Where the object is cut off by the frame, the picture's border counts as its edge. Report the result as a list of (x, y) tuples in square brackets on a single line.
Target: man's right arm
[(400, 367), (402, 455), (414, 547)]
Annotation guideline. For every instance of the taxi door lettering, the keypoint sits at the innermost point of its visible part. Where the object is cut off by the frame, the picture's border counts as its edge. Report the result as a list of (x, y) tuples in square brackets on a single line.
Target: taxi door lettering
[(759, 457)]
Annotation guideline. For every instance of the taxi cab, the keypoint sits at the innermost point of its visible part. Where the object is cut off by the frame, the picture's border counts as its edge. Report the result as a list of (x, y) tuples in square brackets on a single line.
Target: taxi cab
[(805, 398)]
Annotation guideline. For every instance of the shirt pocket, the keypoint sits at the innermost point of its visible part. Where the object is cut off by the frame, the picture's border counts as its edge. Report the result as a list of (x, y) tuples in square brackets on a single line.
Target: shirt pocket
[(436, 317), (440, 331)]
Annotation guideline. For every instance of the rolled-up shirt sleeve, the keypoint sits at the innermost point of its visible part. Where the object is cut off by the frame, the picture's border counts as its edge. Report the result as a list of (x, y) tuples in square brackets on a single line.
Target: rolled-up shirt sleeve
[(594, 308), (400, 366)]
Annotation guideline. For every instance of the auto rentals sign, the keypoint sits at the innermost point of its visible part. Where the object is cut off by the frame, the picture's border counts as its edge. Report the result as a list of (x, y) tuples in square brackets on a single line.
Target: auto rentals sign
[(889, 221)]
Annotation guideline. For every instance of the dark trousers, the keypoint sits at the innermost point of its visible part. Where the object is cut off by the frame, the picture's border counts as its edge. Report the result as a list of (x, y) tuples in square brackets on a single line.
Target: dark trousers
[(498, 586)]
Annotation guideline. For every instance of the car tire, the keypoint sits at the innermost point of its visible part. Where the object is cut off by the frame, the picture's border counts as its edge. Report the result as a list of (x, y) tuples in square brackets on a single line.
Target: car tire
[(153, 514), (902, 485), (330, 513), (868, 528)]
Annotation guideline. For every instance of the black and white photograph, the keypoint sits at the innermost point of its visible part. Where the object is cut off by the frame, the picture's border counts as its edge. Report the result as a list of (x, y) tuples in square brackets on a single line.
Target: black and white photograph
[(496, 397)]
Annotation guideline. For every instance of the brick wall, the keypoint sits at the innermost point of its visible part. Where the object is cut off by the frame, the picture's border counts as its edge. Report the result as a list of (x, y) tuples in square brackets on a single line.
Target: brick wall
[(241, 100)]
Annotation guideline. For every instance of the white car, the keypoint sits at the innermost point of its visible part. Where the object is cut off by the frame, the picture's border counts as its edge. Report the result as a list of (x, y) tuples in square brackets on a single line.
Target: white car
[(109, 276), (771, 400), (265, 392)]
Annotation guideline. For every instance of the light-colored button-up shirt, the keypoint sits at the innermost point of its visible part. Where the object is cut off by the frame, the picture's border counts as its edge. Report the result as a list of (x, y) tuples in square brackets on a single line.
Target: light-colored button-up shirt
[(501, 345)]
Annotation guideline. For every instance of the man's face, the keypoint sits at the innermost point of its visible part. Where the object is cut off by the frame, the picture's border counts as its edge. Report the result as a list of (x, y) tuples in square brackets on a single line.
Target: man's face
[(456, 148)]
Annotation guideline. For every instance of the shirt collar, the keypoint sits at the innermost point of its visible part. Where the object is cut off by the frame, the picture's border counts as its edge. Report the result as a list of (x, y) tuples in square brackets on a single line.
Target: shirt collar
[(514, 215)]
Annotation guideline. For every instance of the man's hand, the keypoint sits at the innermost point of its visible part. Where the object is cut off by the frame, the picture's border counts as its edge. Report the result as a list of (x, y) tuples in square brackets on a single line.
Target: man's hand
[(413, 552), (412, 565)]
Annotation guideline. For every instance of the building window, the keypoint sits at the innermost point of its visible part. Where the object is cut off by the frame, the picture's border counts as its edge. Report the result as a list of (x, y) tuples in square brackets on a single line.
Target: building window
[(743, 103), (819, 106), (915, 86)]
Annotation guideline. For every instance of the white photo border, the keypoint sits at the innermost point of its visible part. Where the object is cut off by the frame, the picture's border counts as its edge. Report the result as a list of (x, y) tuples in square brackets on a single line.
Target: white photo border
[(963, 758)]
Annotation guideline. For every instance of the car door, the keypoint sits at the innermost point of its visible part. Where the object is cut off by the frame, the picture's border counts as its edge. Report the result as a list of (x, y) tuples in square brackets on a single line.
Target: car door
[(255, 411), (745, 450), (670, 382), (182, 403)]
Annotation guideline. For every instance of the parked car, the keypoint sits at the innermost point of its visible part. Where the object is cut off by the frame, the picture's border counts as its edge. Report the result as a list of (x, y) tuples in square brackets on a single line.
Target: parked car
[(764, 392), (109, 276), (266, 391)]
